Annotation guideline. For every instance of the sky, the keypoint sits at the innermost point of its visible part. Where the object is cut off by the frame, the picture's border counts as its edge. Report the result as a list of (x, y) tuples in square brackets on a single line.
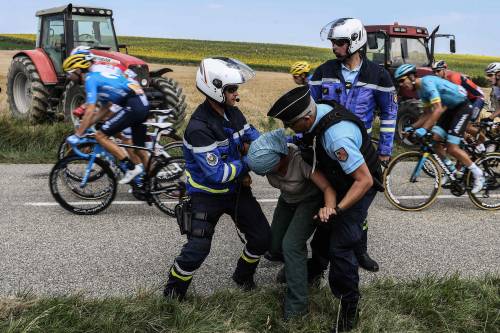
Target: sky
[(476, 24)]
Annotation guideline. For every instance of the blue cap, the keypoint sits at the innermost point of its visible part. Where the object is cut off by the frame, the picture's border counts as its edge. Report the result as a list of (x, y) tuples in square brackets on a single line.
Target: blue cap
[(266, 152)]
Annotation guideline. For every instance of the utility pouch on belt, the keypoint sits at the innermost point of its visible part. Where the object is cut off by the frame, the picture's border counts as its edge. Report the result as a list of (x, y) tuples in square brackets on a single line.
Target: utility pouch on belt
[(184, 216)]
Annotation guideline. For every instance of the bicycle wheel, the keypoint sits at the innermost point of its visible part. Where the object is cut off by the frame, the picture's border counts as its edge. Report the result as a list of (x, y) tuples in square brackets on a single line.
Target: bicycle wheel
[(407, 186), (91, 198), (167, 184), (489, 197)]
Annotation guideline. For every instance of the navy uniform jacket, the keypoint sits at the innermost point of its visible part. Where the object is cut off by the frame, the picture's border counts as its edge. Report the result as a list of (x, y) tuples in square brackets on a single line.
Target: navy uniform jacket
[(373, 88), (211, 149)]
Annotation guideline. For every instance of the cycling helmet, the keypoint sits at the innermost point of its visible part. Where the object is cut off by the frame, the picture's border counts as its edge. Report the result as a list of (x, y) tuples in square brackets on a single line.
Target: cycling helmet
[(346, 28), (492, 68), (404, 70), (300, 67), (439, 65), (214, 74), (82, 49), (76, 61)]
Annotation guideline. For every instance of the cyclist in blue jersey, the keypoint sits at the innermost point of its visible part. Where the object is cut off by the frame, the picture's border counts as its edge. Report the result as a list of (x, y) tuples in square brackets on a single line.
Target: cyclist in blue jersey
[(108, 88), (447, 112)]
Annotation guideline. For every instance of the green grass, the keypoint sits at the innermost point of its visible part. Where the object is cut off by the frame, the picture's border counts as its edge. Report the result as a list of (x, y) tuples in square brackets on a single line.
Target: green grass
[(430, 304), (21, 142)]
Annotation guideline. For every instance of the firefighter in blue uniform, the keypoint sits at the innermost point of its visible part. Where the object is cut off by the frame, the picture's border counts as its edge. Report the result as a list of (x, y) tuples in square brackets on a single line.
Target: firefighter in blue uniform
[(215, 143), (361, 86), (342, 150)]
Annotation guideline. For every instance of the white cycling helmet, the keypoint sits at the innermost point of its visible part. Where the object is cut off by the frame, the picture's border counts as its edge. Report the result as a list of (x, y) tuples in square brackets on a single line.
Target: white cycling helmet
[(82, 49), (346, 28), (492, 68), (214, 74)]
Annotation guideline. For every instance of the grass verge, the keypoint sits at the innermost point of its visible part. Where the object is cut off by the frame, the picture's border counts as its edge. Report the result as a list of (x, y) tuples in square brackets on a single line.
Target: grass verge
[(430, 304), (21, 142)]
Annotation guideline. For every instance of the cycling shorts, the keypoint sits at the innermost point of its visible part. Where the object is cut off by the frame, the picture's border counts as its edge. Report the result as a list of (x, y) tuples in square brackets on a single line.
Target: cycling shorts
[(452, 124), (133, 113)]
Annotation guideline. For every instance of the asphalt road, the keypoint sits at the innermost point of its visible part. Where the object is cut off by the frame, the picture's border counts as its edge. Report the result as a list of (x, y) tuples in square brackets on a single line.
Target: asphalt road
[(130, 246)]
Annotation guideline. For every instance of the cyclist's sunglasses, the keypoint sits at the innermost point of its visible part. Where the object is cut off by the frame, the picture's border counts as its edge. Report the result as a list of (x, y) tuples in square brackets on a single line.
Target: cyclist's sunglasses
[(437, 71), (402, 79), (231, 89), (340, 42), (490, 75), (69, 73)]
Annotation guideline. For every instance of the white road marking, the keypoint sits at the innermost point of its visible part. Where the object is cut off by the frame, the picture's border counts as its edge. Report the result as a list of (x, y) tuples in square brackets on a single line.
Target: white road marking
[(48, 204)]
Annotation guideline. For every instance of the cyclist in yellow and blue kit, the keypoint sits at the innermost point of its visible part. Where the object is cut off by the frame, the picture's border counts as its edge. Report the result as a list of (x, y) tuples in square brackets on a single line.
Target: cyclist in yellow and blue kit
[(108, 88), (216, 140), (447, 112)]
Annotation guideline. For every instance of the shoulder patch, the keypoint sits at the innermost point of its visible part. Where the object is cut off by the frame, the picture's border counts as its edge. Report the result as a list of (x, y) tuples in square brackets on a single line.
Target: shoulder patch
[(212, 159), (341, 154), (395, 98)]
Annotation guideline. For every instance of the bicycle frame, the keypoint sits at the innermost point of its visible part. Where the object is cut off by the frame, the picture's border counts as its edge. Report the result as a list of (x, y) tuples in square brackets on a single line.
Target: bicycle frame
[(428, 151), (99, 151)]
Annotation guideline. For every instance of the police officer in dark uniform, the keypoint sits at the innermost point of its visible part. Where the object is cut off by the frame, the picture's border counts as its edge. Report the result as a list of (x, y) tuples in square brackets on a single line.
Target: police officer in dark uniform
[(215, 143), (360, 85), (337, 142)]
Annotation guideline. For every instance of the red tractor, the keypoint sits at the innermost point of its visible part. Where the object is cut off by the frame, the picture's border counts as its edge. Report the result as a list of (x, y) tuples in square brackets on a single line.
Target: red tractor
[(37, 88), (393, 45)]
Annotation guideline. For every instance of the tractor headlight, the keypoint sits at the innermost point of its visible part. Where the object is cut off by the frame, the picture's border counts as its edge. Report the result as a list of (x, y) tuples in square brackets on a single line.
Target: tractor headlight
[(144, 82)]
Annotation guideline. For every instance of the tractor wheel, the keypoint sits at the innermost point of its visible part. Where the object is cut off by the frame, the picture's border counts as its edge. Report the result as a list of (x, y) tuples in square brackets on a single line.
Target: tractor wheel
[(28, 98), (173, 97), (408, 112), (72, 97)]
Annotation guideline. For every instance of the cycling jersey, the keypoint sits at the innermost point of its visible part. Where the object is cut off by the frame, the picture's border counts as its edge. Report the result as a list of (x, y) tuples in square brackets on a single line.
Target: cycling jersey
[(434, 89), (106, 86), (473, 91)]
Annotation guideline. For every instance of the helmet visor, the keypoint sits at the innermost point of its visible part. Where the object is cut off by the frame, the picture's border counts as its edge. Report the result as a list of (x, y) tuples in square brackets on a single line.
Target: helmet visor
[(327, 31), (245, 72)]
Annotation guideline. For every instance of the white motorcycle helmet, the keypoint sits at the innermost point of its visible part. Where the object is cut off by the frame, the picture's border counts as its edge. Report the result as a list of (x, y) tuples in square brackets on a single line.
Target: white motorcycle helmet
[(346, 28), (214, 74)]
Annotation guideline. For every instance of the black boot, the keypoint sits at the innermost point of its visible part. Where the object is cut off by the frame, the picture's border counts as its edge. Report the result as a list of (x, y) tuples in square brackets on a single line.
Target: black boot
[(347, 317), (367, 263), (244, 272), (176, 287)]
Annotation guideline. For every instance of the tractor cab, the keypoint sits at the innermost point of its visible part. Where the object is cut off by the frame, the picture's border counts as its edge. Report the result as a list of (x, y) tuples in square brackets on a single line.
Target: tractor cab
[(394, 45), (63, 28)]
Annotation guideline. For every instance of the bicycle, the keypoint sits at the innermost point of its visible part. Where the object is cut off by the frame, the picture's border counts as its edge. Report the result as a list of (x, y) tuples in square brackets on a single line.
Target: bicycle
[(410, 189), (90, 178), (173, 148)]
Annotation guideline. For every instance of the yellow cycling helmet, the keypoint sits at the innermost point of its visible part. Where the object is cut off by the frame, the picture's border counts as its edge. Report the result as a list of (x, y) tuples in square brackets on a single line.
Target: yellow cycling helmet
[(300, 67), (76, 61)]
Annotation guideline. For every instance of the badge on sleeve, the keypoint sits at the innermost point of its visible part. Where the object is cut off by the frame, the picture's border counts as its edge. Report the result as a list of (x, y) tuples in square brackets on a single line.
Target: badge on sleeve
[(212, 159), (341, 154)]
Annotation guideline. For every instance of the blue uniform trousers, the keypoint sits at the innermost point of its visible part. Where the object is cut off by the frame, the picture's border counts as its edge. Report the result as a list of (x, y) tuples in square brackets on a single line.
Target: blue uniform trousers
[(340, 239)]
